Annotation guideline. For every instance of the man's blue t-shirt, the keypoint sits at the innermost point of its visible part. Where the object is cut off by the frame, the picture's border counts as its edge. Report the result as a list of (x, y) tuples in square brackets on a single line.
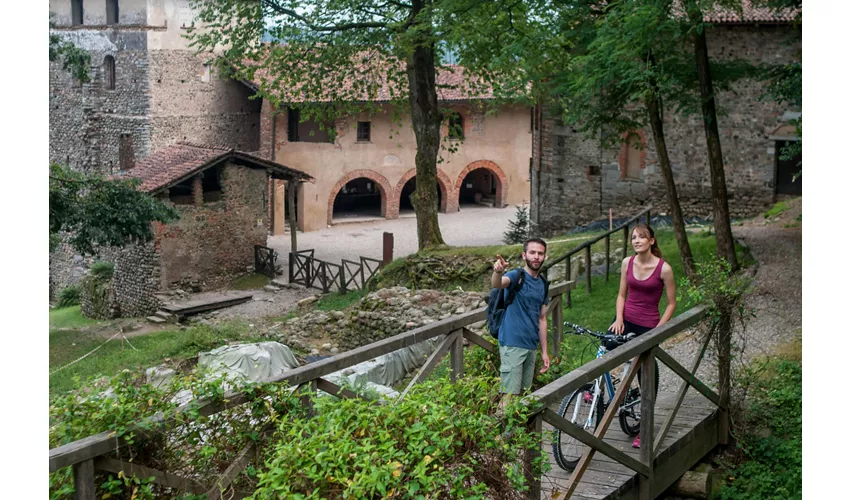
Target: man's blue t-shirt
[(519, 326)]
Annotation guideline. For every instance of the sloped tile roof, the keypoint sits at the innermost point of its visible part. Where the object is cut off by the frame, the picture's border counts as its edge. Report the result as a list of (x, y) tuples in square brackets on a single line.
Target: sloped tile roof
[(750, 14), (172, 165)]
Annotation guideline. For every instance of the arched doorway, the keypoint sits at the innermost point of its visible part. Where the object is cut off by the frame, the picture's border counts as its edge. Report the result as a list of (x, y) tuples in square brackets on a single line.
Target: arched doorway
[(358, 195), (482, 183), (407, 185)]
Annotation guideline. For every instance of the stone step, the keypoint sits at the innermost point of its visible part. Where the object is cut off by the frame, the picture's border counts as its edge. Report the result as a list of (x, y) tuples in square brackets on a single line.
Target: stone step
[(167, 316), (279, 282), (271, 288), (155, 319)]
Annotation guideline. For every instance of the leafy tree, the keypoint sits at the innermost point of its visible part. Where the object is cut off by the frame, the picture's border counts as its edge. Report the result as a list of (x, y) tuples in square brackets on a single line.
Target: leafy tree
[(337, 57), (94, 211), (73, 59)]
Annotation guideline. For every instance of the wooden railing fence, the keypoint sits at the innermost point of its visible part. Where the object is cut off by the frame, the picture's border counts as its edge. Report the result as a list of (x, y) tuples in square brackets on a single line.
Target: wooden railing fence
[(586, 248), (304, 269), (642, 351), (265, 260), (96, 453)]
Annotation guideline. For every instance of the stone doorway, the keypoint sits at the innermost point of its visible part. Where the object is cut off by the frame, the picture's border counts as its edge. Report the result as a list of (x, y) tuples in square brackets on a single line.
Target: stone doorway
[(786, 170)]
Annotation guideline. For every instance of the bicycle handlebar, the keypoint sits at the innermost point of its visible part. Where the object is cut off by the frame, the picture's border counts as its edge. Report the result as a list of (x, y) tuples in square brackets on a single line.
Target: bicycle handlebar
[(607, 338)]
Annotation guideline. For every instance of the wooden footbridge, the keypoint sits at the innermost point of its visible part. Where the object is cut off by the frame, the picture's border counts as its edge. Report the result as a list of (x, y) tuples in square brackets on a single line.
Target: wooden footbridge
[(680, 428)]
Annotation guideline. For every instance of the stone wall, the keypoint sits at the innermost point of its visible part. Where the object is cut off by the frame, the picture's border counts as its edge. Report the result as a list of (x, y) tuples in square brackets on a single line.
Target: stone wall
[(575, 181), (135, 282), (212, 243), (66, 268), (88, 120)]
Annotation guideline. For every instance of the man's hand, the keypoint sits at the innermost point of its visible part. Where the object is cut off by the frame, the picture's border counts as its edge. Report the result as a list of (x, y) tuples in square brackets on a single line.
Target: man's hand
[(500, 265), (545, 363)]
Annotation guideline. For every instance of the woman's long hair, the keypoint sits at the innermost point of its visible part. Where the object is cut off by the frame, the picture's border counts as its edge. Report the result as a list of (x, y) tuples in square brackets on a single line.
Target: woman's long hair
[(649, 233)]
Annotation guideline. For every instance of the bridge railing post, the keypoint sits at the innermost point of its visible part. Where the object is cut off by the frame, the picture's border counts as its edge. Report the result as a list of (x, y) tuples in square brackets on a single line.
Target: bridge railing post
[(647, 422), (724, 359), (535, 425)]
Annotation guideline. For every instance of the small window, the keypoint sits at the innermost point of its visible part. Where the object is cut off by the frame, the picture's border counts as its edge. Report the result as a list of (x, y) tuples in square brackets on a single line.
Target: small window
[(111, 11), (126, 154), (456, 126), (305, 131), (76, 12), (364, 131), (211, 185), (109, 72), (182, 194), (205, 73), (292, 125)]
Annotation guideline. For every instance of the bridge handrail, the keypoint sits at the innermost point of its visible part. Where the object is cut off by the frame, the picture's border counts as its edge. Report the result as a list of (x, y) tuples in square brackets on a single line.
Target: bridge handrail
[(99, 444)]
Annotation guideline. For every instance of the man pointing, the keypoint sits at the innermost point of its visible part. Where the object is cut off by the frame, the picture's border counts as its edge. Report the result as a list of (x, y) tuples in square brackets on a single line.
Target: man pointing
[(524, 325)]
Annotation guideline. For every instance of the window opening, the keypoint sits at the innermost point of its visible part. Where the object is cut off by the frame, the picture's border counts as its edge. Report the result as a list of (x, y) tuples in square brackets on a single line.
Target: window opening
[(181, 194), (76, 12), (364, 131), (211, 184), (456, 126), (109, 72), (111, 11)]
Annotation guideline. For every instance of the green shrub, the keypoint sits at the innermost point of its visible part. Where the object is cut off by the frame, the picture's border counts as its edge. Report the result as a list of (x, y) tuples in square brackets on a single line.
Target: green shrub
[(102, 270), (69, 296), (776, 210)]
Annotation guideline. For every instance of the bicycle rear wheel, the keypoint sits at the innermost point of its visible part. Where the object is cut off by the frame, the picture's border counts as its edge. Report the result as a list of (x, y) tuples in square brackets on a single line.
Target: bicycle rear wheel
[(630, 407), (577, 409)]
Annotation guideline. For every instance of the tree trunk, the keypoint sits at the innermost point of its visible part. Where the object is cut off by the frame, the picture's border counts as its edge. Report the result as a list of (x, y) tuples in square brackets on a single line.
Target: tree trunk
[(422, 80), (722, 222), (653, 106)]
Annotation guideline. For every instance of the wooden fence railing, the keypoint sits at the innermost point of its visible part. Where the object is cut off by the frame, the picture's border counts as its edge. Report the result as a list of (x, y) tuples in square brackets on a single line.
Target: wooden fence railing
[(265, 259), (96, 453), (586, 248), (304, 269), (642, 352)]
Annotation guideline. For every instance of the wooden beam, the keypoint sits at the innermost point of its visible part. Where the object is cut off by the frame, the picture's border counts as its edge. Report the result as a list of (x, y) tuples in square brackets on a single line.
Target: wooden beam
[(535, 426), (84, 480), (680, 396), (431, 362), (587, 265), (647, 421), (308, 392), (223, 482), (335, 390), (479, 340), (557, 327), (456, 353), (592, 441), (162, 478), (601, 429), (291, 189), (555, 391), (688, 377)]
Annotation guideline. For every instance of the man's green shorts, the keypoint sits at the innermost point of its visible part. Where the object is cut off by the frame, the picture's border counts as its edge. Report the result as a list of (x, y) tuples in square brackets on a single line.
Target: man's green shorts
[(517, 369)]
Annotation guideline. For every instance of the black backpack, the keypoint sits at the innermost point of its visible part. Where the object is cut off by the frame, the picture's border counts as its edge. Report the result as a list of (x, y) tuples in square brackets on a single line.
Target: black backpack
[(497, 303)]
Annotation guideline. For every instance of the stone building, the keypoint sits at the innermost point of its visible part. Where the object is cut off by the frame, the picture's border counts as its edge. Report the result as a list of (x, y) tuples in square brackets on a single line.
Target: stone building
[(575, 181), (368, 169), (148, 90), (221, 196)]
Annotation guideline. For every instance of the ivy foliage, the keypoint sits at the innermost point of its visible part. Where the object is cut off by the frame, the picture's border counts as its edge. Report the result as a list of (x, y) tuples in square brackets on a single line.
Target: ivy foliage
[(94, 211), (74, 59)]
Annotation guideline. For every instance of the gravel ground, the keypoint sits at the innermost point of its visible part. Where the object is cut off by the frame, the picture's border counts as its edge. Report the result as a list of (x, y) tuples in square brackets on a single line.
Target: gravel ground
[(777, 296), (472, 226)]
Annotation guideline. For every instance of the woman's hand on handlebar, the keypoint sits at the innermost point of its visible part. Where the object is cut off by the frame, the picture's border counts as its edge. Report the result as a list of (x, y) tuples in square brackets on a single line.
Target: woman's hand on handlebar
[(617, 327)]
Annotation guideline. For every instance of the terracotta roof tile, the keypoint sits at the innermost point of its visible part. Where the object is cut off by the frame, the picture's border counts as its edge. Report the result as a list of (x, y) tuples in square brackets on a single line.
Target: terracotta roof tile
[(750, 14), (171, 165)]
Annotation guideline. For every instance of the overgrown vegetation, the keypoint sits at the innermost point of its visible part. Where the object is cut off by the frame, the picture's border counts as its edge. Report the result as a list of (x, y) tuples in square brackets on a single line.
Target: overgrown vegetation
[(769, 434), (69, 296), (250, 282), (339, 301), (776, 210)]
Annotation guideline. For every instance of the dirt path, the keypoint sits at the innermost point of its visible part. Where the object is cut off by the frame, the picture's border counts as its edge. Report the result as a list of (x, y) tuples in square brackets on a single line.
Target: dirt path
[(777, 296)]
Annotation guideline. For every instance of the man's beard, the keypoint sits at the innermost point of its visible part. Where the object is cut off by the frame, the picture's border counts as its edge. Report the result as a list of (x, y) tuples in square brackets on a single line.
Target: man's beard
[(531, 265)]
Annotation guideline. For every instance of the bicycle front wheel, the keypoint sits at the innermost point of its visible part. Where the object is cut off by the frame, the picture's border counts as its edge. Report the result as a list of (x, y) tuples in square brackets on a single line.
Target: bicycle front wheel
[(579, 409), (630, 408)]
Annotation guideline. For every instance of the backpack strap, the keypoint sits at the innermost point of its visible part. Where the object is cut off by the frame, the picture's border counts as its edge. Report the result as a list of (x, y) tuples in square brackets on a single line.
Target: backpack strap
[(512, 291)]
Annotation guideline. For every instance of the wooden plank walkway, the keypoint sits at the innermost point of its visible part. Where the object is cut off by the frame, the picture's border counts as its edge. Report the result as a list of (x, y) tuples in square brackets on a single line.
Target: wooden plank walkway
[(209, 303), (692, 436)]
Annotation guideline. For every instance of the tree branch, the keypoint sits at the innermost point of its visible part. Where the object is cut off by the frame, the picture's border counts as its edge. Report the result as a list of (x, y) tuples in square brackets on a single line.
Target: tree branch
[(328, 29)]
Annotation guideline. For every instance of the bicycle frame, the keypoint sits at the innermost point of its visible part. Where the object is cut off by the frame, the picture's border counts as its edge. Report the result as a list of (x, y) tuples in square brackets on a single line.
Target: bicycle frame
[(597, 393)]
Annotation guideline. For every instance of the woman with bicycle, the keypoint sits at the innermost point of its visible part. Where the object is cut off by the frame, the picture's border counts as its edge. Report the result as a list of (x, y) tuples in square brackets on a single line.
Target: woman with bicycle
[(643, 278)]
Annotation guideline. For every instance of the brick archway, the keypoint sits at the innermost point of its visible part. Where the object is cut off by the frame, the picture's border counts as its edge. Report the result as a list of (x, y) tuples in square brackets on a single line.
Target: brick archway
[(383, 184), (501, 184), (448, 200)]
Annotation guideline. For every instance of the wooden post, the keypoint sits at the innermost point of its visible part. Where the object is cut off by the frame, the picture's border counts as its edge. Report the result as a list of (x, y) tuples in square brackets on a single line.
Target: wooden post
[(587, 264), (388, 248), (309, 389), (625, 240), (567, 273), (648, 217), (342, 279), (724, 358), (291, 188), (535, 425), (456, 354), (610, 219), (557, 329), (647, 422), (607, 257), (84, 480)]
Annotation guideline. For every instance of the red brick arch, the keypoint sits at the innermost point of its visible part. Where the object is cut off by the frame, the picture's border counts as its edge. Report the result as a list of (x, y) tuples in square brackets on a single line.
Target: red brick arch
[(446, 187), (501, 185), (383, 184)]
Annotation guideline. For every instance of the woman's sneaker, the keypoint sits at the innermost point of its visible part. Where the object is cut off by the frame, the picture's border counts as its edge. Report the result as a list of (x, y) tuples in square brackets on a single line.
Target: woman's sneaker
[(636, 442)]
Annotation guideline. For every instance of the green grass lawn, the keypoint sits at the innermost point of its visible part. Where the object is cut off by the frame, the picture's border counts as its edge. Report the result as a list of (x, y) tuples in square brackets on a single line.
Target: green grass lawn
[(72, 336)]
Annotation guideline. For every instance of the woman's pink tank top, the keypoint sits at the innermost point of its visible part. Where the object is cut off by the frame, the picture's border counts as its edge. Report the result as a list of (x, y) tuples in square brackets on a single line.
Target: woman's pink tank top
[(643, 296)]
